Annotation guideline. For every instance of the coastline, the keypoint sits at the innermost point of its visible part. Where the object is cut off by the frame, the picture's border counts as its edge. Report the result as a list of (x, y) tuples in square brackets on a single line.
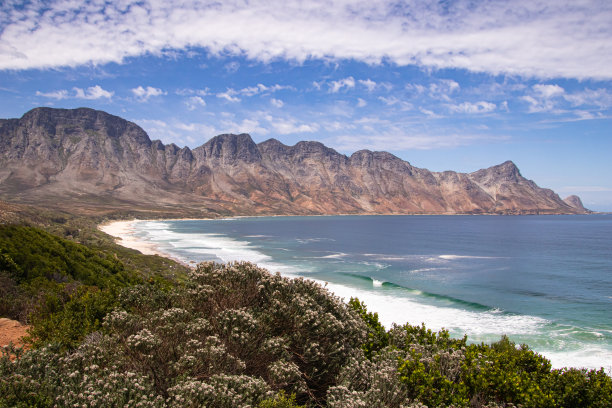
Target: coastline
[(123, 234), (126, 232)]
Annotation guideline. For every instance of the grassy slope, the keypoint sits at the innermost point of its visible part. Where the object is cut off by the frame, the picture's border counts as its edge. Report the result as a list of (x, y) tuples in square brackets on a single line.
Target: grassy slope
[(61, 275)]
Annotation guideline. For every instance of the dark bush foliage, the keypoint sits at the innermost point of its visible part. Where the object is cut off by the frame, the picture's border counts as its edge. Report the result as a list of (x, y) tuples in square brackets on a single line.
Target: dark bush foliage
[(27, 253), (233, 335), (237, 336), (61, 288)]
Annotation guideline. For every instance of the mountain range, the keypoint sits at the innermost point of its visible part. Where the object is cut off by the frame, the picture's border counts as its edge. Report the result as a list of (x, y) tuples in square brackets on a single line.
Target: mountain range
[(91, 161)]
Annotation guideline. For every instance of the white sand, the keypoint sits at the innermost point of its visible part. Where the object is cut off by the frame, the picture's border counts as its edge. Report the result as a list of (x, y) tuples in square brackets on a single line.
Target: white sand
[(123, 231)]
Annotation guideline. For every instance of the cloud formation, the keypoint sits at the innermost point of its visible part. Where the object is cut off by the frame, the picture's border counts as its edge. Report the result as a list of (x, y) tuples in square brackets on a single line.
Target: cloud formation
[(537, 38), (402, 140), (91, 93), (469, 107), (552, 98), (194, 102), (59, 95), (143, 94), (336, 86)]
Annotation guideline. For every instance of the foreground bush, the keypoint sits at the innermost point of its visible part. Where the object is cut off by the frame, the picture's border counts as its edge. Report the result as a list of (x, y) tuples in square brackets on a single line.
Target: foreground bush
[(62, 289), (411, 365), (236, 336), (233, 335)]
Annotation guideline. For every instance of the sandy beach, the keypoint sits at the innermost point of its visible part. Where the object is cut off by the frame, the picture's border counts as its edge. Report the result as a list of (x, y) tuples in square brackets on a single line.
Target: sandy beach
[(123, 232)]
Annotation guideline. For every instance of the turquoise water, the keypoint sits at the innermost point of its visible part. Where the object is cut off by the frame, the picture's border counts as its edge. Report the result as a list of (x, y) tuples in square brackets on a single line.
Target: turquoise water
[(541, 280)]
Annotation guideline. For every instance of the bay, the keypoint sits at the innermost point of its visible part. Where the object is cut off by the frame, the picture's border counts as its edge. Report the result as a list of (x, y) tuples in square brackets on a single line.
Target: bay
[(541, 280)]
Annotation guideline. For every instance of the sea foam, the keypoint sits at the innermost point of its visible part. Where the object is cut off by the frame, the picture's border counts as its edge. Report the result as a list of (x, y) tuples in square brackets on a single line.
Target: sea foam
[(393, 305)]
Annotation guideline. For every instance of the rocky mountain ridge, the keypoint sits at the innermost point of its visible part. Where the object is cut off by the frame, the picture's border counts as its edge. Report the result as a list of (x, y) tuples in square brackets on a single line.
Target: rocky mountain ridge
[(83, 158)]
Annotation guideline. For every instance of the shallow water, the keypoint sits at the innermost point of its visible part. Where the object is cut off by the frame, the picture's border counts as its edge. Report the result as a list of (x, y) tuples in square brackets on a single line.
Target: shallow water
[(541, 280)]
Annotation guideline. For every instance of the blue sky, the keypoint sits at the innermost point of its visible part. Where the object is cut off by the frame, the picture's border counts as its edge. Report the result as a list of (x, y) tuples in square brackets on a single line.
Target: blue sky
[(446, 85)]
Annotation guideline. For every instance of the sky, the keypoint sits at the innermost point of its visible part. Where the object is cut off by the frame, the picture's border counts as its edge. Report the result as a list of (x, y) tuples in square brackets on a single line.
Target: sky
[(445, 85)]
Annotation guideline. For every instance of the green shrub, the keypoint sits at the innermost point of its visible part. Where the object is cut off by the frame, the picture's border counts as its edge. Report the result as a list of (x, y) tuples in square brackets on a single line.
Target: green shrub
[(67, 321), (378, 338), (61, 288), (572, 387), (502, 372), (27, 253), (235, 335), (280, 400)]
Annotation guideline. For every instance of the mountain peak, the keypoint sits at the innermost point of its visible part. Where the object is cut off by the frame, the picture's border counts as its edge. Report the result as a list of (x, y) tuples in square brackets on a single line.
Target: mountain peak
[(575, 202), (231, 147), (88, 120), (505, 172)]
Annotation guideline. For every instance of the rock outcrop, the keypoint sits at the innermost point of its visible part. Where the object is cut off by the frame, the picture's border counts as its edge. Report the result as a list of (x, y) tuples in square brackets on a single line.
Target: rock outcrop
[(86, 158), (575, 202)]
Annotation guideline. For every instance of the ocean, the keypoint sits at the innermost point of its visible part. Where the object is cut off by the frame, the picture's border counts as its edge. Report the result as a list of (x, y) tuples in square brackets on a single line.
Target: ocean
[(541, 280)]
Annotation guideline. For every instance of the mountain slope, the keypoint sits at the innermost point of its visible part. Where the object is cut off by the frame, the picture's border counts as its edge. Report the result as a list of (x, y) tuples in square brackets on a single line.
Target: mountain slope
[(83, 158)]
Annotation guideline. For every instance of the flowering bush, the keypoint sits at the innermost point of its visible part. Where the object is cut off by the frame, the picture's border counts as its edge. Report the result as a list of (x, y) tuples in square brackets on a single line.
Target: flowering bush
[(235, 335), (411, 366)]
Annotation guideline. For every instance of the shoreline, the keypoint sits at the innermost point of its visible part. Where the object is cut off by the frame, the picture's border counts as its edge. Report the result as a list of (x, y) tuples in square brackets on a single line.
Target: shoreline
[(123, 234)]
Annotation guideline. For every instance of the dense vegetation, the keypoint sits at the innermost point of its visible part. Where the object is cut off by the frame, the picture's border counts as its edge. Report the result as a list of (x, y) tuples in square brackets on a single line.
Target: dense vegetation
[(113, 328), (63, 289), (235, 336)]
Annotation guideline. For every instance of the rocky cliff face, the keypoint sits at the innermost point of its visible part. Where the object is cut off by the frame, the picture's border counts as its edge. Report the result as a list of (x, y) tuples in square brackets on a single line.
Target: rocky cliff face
[(575, 202), (87, 157)]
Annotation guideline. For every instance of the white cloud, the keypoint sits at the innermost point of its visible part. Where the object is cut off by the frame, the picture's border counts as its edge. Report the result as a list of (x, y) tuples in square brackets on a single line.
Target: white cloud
[(337, 126), (143, 94), (248, 125), (177, 132), (361, 103), (478, 107), (261, 88), (416, 88), (348, 83), (392, 101), (545, 98), (93, 92), (187, 92), (443, 89), (555, 99), (548, 91), (277, 102), (401, 139), (151, 123), (368, 83), (232, 67), (545, 38), (600, 98), (194, 102), (288, 126), (190, 127), (250, 91), (61, 94), (431, 114), (389, 100), (229, 95)]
